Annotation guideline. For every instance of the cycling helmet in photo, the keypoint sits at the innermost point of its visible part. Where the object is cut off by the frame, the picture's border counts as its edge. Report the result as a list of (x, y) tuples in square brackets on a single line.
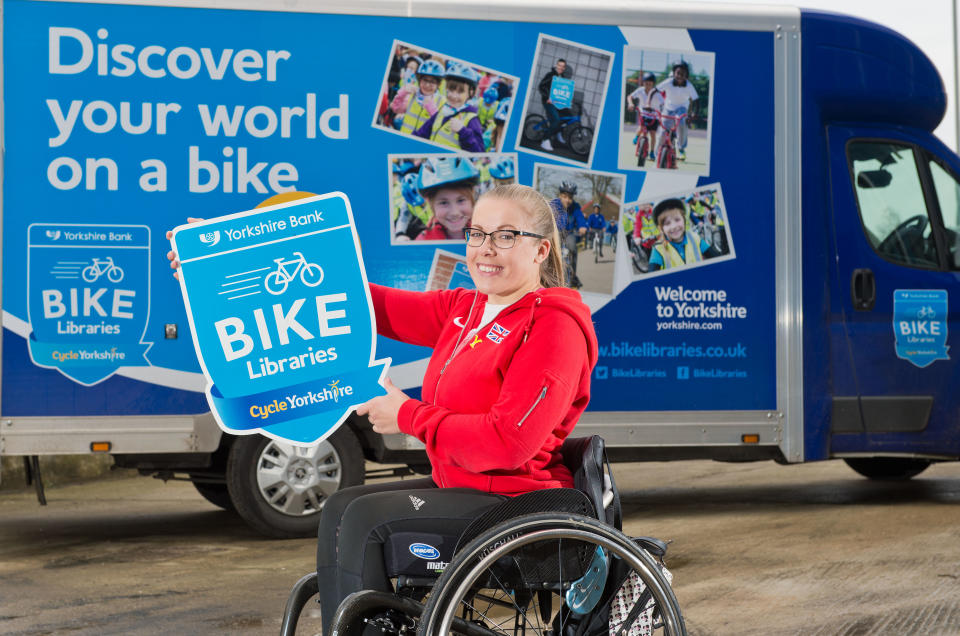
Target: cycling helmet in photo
[(503, 169), (403, 166), (596, 206), (569, 187), (681, 64), (408, 187), (430, 68), (462, 72), (437, 172), (490, 95), (503, 110), (649, 77)]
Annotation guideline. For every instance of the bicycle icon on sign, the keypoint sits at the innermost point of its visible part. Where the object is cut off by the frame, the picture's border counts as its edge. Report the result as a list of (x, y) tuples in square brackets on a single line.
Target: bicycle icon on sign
[(926, 312), (277, 282), (100, 268)]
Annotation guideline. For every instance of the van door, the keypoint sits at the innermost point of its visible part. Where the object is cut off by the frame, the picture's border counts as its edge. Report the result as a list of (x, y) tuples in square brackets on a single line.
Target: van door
[(898, 287)]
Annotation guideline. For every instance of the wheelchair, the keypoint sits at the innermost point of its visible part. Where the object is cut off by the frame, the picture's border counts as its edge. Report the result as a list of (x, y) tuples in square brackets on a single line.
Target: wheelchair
[(547, 562)]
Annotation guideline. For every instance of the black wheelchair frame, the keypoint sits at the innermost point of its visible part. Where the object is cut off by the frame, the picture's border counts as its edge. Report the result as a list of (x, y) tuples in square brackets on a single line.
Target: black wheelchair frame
[(556, 572)]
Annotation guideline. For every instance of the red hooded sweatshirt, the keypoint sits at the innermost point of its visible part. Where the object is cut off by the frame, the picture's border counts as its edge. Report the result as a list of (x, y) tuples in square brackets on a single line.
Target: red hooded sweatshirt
[(496, 405)]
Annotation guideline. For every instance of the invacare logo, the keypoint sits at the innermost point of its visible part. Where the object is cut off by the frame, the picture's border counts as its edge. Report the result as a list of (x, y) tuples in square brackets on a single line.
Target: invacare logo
[(424, 551)]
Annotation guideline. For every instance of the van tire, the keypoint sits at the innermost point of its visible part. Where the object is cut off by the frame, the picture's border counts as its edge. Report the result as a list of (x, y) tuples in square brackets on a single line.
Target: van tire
[(252, 460), (217, 494), (888, 468)]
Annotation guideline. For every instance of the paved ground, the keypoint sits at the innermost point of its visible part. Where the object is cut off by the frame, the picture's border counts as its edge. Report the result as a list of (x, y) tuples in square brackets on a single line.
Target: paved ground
[(696, 162), (757, 549)]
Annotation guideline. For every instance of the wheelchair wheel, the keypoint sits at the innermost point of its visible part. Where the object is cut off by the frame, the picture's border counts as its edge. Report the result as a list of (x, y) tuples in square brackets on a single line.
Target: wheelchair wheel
[(548, 573)]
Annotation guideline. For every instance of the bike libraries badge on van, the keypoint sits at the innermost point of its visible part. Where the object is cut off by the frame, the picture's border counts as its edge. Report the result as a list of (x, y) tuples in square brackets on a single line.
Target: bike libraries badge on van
[(920, 325), (281, 317), (88, 289)]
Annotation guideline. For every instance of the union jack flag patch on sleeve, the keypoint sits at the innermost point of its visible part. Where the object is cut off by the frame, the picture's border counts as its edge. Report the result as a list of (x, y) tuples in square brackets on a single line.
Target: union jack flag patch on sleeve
[(497, 333)]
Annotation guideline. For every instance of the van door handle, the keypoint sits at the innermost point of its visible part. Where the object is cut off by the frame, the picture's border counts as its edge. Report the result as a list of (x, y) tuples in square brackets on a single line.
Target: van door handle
[(863, 289)]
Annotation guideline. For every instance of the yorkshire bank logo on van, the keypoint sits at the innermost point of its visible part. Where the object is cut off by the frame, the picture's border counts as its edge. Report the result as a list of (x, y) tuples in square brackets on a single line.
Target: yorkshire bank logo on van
[(88, 289), (281, 317), (210, 238)]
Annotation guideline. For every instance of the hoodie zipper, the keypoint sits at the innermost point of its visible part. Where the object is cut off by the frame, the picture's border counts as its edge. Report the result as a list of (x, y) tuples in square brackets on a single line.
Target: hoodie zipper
[(543, 394)]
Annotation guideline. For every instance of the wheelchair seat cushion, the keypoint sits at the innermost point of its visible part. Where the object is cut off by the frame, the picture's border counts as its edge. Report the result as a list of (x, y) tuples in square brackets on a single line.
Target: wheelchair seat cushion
[(547, 500)]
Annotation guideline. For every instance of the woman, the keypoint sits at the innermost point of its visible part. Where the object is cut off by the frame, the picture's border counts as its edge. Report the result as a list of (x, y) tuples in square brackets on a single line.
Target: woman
[(507, 381)]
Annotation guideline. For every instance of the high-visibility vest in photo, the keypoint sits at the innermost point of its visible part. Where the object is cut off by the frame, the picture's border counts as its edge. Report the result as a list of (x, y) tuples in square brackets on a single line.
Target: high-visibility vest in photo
[(417, 115), (443, 133), (672, 258)]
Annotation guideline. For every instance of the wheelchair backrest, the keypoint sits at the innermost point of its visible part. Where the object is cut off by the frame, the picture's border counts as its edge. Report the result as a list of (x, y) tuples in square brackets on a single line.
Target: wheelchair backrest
[(586, 458)]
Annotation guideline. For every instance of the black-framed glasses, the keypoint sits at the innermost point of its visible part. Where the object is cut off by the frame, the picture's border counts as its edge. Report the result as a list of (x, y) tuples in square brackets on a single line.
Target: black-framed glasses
[(504, 239)]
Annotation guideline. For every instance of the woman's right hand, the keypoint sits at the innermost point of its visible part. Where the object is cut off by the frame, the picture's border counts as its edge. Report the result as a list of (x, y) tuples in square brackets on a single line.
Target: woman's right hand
[(171, 255)]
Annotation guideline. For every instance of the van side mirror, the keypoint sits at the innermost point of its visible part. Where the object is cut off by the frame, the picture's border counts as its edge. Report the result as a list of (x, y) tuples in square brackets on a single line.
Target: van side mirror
[(874, 179)]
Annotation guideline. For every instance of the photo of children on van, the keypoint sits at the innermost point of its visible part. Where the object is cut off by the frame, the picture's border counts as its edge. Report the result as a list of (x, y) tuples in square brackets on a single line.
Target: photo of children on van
[(666, 110), (677, 231), (564, 101), (586, 205), (432, 196), (448, 102)]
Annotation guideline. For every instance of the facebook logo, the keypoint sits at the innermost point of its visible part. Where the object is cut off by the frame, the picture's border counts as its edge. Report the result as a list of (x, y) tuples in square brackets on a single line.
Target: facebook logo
[(602, 373), (683, 373)]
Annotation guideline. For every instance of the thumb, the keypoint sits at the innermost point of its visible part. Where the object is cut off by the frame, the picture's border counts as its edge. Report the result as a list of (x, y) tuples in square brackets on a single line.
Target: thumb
[(389, 385)]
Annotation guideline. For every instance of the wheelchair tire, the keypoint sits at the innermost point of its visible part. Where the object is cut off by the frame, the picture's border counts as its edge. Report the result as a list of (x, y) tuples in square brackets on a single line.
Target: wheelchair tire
[(510, 552)]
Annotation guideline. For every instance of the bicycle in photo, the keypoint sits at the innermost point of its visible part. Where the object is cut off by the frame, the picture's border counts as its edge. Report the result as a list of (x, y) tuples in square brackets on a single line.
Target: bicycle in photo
[(646, 119), (596, 242), (106, 267), (578, 137), (276, 282), (667, 149)]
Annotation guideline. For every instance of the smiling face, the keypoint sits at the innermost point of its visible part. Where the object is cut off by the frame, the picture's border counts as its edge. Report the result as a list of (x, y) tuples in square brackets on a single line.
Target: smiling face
[(429, 84), (673, 225), (680, 75), (457, 93), (505, 275), (452, 207)]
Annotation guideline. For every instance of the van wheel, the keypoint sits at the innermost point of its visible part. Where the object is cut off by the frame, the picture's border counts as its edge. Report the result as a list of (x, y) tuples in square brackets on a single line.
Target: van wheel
[(217, 494), (888, 468), (279, 489)]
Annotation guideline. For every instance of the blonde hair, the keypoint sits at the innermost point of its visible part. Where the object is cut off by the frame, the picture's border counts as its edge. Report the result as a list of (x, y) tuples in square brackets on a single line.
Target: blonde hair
[(540, 213)]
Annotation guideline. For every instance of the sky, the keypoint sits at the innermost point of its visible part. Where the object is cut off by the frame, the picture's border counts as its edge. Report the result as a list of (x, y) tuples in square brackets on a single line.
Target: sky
[(927, 23)]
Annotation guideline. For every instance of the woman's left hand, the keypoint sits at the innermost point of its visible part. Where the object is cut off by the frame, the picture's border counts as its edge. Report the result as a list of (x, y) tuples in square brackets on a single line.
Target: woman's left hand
[(382, 411)]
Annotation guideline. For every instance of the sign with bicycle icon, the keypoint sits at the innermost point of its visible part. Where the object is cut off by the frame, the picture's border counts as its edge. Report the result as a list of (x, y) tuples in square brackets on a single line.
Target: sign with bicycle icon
[(920, 325), (281, 317), (89, 298)]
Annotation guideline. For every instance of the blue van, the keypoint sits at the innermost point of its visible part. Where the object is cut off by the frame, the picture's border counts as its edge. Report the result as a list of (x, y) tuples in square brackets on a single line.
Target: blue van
[(804, 314)]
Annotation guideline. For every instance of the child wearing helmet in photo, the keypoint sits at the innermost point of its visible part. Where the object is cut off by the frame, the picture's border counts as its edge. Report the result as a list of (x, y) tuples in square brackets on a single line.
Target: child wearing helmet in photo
[(680, 98), (414, 105), (485, 113), (648, 102), (503, 172), (499, 123), (411, 216), (447, 184), (572, 225), (456, 124), (596, 224), (676, 245)]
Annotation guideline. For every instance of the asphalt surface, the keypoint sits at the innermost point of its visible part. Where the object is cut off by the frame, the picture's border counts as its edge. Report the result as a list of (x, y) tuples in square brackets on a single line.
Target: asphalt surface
[(756, 549)]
